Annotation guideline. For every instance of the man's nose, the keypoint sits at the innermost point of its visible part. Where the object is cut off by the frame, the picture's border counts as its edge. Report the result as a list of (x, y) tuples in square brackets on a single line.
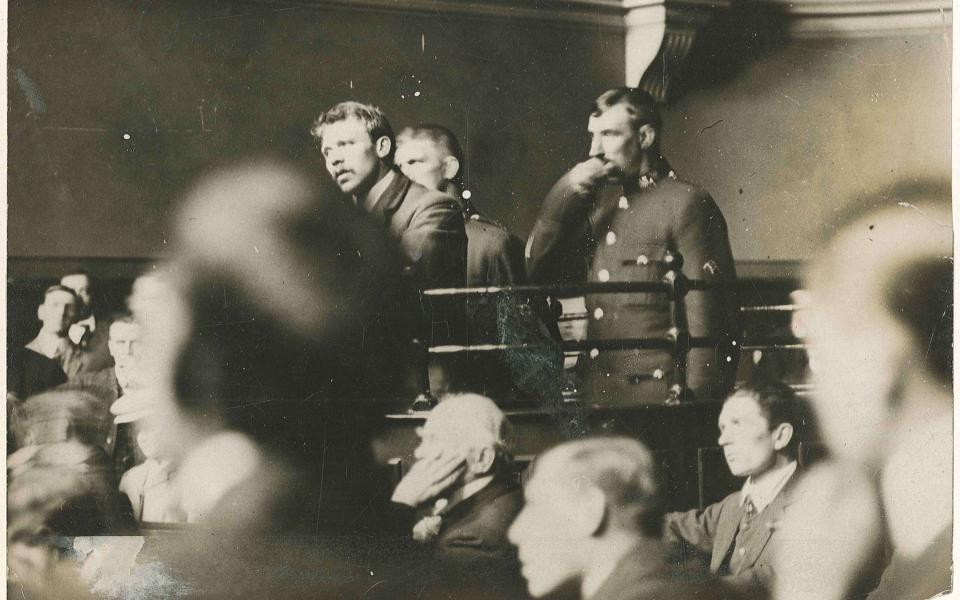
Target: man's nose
[(596, 149), (514, 532), (724, 439)]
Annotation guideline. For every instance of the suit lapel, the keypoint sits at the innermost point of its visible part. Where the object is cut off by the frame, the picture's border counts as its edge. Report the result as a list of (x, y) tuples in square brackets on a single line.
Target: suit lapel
[(391, 198), (727, 527), (488, 493), (769, 520)]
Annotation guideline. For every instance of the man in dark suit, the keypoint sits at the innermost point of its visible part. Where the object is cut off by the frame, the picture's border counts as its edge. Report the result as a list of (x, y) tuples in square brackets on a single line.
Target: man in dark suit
[(759, 434), (358, 146), (56, 314), (593, 520), (614, 217), (432, 156), (90, 331), (464, 492)]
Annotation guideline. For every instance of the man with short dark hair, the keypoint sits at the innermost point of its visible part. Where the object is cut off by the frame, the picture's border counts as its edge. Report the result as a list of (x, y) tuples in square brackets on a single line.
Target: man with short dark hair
[(90, 331), (593, 518), (759, 435), (614, 217), (57, 313), (432, 156)]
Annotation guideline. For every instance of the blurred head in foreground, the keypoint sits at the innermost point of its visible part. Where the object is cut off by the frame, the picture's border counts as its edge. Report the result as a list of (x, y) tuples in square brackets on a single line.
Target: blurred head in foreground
[(277, 300), (880, 320), (584, 498)]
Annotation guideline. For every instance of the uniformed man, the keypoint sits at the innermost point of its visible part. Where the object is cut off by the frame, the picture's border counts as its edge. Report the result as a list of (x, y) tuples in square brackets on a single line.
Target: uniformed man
[(432, 156), (614, 217)]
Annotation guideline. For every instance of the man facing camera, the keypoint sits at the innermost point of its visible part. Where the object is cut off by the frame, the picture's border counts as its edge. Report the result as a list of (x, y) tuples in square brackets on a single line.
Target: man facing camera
[(464, 491), (593, 519), (89, 332), (57, 313), (759, 434), (358, 146), (614, 217)]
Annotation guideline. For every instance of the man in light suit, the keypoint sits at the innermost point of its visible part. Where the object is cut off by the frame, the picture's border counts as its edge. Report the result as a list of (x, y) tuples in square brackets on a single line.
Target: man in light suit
[(759, 434), (358, 146), (593, 520), (614, 217)]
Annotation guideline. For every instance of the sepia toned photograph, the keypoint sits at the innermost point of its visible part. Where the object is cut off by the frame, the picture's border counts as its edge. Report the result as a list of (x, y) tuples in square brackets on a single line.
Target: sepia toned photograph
[(479, 299)]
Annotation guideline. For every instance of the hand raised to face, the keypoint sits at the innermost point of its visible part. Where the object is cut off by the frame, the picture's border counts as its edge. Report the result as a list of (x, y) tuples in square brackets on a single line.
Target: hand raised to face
[(429, 477), (586, 176)]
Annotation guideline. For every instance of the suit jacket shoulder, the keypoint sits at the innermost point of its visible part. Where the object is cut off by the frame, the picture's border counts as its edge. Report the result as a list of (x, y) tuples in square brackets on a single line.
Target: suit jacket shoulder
[(479, 524)]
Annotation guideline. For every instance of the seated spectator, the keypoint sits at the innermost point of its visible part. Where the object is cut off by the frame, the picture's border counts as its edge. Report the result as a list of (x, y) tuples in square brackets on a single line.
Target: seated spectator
[(759, 433), (151, 485), (593, 519), (880, 326), (89, 332), (57, 313), (464, 488)]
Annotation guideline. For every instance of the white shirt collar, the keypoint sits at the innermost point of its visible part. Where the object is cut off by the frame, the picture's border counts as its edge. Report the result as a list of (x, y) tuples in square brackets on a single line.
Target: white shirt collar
[(767, 486), (90, 323), (219, 463)]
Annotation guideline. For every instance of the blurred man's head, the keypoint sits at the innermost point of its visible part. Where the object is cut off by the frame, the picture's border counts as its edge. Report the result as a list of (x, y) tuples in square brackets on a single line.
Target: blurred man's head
[(278, 298), (581, 495), (58, 310), (880, 321), (124, 341), (759, 428), (431, 156), (82, 285), (357, 144), (469, 425)]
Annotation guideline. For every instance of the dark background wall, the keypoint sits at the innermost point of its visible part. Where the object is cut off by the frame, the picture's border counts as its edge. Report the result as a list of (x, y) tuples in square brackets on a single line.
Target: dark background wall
[(194, 82), (781, 130)]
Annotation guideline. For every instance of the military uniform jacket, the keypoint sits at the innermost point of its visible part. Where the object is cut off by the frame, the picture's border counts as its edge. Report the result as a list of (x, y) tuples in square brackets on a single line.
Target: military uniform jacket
[(618, 234)]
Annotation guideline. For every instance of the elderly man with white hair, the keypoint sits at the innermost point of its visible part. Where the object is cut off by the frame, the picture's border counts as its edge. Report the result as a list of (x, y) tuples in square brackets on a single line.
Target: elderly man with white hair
[(462, 486)]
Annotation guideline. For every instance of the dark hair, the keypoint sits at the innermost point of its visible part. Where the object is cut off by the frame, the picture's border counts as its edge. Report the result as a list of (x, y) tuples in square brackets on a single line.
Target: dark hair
[(779, 404), (640, 105), (371, 116), (441, 136), (58, 288), (920, 297)]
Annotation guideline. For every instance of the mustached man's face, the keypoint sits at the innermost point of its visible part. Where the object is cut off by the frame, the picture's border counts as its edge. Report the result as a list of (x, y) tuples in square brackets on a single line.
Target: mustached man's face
[(616, 141), (352, 158)]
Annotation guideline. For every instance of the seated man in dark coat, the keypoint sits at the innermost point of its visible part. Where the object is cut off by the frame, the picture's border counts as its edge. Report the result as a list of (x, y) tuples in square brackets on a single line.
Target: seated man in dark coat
[(464, 491), (593, 520)]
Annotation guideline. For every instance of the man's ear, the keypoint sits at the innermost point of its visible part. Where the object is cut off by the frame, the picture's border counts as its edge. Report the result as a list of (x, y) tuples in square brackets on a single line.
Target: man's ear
[(383, 145), (451, 166), (648, 136), (782, 435), (591, 512), (484, 460)]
